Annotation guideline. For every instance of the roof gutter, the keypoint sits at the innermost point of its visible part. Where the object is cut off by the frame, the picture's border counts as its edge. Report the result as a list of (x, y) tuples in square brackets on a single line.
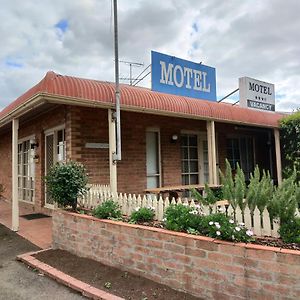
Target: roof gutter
[(30, 104), (42, 98)]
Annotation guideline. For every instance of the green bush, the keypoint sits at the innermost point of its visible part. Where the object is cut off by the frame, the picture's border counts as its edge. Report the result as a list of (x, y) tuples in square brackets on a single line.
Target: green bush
[(181, 218), (222, 227), (66, 182), (208, 199), (290, 231), (142, 214), (290, 141), (234, 188), (108, 210), (284, 201)]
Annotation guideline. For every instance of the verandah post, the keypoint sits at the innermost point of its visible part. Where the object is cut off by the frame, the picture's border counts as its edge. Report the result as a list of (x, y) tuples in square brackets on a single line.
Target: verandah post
[(15, 200)]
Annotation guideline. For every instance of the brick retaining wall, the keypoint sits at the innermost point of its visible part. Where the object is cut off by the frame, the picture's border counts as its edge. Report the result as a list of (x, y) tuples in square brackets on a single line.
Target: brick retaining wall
[(202, 266)]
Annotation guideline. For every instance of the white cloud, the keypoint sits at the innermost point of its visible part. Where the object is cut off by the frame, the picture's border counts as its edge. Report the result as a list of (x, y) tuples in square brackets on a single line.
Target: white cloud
[(240, 38)]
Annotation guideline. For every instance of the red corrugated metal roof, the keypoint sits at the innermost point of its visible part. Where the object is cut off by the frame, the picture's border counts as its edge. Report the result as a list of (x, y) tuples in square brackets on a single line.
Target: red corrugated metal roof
[(143, 99)]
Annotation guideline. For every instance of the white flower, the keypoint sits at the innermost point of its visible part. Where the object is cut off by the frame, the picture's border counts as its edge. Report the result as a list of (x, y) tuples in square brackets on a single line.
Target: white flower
[(249, 232), (220, 209), (137, 208), (164, 219), (193, 212), (218, 232), (231, 221), (237, 228), (197, 206), (185, 204), (242, 224), (233, 237), (211, 223), (151, 207), (218, 226)]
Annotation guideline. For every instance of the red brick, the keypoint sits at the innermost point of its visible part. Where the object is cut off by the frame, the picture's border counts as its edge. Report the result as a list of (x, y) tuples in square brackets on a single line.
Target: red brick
[(219, 257), (207, 245), (247, 282), (174, 248), (195, 252), (243, 261), (260, 254), (231, 249)]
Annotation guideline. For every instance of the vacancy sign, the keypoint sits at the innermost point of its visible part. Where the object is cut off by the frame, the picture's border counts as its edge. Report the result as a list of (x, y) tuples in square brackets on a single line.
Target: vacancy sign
[(177, 76), (256, 94)]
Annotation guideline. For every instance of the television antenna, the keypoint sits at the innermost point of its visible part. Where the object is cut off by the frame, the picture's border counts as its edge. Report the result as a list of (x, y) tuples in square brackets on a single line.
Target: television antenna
[(131, 65)]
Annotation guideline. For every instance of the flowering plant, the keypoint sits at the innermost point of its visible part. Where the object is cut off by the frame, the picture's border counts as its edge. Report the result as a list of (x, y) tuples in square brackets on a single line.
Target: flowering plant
[(222, 227), (182, 217)]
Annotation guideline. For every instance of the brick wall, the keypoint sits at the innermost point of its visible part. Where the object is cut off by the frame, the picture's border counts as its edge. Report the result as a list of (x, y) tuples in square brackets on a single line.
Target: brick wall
[(34, 126), (132, 167), (5, 163), (204, 267)]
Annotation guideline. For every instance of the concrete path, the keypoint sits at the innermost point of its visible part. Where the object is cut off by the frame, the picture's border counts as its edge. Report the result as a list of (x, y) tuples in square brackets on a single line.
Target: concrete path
[(17, 282), (38, 231)]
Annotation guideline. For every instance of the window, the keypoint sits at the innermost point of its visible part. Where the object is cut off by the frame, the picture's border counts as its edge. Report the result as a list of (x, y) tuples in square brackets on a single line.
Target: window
[(189, 159), (26, 170), (240, 150), (153, 159), (55, 151)]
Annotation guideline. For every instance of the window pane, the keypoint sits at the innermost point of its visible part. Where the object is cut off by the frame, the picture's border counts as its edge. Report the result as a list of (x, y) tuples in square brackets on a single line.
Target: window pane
[(193, 153), (184, 140), (193, 140), (189, 159), (194, 166), (185, 166), (193, 179)]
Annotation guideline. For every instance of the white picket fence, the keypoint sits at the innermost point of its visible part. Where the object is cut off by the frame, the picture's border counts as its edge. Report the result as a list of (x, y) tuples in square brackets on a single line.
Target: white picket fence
[(260, 223)]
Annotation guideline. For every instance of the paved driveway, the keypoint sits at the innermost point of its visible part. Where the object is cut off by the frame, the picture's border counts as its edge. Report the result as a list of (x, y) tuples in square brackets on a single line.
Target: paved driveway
[(17, 282)]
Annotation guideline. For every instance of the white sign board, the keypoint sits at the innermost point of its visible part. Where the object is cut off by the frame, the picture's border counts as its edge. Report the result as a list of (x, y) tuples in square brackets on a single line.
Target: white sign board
[(97, 145), (256, 94)]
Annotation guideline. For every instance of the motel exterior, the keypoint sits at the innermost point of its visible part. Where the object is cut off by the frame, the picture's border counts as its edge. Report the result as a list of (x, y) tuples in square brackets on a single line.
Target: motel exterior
[(166, 139)]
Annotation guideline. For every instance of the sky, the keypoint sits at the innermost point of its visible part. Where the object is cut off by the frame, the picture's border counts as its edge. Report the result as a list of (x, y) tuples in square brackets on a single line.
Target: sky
[(253, 38)]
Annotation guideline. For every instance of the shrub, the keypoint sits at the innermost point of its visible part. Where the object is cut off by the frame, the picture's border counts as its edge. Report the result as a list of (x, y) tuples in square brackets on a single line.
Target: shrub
[(290, 231), (234, 188), (182, 218), (284, 201), (66, 182), (142, 214), (108, 210), (222, 227), (290, 141), (209, 198)]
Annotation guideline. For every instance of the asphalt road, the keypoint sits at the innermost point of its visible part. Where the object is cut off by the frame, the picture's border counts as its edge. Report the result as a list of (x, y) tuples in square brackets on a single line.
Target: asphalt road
[(17, 281)]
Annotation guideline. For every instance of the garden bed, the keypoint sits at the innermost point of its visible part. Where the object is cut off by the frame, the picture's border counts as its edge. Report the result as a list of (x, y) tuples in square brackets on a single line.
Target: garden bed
[(120, 283), (202, 266)]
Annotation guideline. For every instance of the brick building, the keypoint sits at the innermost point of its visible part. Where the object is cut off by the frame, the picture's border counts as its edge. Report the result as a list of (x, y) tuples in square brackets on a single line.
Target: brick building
[(166, 139)]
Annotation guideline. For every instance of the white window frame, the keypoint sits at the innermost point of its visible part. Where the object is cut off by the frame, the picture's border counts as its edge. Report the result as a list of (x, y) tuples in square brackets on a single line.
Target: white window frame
[(156, 130), (198, 134), (52, 131), (20, 141)]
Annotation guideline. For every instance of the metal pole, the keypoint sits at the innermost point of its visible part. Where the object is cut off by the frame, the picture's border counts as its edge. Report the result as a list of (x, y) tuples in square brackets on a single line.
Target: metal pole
[(117, 155)]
